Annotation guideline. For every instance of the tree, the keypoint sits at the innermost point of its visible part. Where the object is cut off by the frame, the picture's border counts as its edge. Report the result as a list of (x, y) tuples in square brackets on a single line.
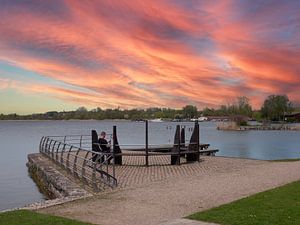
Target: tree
[(257, 115), (240, 107), (190, 111), (82, 109), (244, 107), (276, 106), (81, 113)]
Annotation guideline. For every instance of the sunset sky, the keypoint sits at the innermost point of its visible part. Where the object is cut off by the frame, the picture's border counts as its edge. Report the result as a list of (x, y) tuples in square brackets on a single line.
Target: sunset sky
[(62, 54)]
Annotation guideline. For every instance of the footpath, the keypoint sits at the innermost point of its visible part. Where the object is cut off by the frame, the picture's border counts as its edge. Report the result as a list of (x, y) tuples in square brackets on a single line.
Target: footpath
[(165, 194)]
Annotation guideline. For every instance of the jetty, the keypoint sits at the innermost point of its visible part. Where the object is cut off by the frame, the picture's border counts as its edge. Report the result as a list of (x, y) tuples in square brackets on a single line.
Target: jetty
[(262, 127), (74, 154), (157, 193)]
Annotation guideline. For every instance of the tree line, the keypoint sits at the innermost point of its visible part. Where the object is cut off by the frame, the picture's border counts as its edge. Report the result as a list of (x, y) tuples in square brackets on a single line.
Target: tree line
[(273, 109)]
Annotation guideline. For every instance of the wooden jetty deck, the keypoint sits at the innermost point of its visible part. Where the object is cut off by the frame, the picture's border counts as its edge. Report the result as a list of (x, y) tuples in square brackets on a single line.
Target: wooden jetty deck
[(99, 168)]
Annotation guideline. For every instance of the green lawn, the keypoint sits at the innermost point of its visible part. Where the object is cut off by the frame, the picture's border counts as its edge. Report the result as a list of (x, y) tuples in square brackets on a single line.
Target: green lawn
[(285, 160), (25, 217), (279, 206)]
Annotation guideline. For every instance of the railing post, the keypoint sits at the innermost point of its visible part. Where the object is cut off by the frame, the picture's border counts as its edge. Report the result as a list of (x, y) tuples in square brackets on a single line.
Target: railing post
[(80, 141), (146, 145), (83, 167), (75, 162), (46, 139), (52, 150), (179, 148), (198, 140), (56, 155), (44, 144), (42, 150), (113, 166), (94, 180), (41, 143), (48, 147), (68, 158), (106, 157), (62, 154)]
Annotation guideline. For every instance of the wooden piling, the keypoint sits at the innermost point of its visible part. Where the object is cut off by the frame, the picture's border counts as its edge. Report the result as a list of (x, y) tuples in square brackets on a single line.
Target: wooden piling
[(116, 147), (175, 159), (146, 145), (194, 145)]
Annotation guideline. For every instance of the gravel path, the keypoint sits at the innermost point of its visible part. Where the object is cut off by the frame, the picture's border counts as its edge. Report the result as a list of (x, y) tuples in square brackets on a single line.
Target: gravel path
[(162, 194)]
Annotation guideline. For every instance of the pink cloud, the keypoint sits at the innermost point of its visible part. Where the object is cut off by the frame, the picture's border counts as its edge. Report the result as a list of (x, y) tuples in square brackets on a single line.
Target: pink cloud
[(155, 53)]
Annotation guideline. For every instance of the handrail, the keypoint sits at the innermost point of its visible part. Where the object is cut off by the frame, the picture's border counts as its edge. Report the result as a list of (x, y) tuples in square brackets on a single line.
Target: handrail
[(78, 161)]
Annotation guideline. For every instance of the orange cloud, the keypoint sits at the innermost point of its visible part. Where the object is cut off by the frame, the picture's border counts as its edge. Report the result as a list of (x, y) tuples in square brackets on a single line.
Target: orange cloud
[(155, 53)]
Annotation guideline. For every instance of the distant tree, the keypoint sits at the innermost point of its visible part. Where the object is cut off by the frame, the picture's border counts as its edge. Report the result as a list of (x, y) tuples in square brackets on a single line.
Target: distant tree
[(51, 115), (239, 107), (208, 112), (275, 107), (81, 113), (81, 109), (257, 115), (189, 111), (223, 111), (244, 107)]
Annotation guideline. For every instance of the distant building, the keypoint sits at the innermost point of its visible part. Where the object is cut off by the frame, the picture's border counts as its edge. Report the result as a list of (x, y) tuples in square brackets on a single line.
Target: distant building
[(235, 118), (293, 117)]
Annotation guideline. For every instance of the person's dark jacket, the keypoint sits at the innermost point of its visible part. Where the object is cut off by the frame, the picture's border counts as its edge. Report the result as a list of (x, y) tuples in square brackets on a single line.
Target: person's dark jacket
[(104, 145)]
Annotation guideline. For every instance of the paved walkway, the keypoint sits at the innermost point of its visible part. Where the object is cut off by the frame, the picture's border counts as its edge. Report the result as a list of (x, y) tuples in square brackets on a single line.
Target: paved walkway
[(164, 194)]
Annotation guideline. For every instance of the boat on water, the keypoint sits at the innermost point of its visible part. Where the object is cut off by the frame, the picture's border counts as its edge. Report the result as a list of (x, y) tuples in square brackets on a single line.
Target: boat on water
[(200, 119), (158, 120)]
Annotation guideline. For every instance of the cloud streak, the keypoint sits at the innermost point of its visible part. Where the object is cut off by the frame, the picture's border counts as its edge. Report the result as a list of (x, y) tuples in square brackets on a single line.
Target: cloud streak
[(155, 53)]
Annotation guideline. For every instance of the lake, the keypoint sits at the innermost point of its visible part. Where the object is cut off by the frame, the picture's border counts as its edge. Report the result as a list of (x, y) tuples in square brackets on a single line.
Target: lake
[(19, 138)]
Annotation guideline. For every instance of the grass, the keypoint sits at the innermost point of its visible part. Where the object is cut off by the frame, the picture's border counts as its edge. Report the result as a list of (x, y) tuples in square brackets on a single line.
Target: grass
[(279, 206), (26, 217), (285, 160)]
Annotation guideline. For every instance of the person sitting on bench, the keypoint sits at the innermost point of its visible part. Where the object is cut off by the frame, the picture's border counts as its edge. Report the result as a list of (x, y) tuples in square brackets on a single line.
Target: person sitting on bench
[(104, 145)]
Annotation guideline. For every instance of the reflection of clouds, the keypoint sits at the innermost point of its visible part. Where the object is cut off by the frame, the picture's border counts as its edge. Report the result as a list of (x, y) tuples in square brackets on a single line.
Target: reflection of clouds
[(155, 53)]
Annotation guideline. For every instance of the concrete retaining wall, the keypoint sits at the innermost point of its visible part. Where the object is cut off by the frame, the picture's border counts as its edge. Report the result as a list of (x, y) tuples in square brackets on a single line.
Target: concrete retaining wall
[(53, 183)]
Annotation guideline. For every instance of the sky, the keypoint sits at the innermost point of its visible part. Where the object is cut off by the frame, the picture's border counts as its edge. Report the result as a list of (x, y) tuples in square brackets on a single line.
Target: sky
[(62, 54)]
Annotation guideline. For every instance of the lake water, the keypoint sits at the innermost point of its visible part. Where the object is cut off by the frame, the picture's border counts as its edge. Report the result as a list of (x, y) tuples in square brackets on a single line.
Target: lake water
[(19, 138)]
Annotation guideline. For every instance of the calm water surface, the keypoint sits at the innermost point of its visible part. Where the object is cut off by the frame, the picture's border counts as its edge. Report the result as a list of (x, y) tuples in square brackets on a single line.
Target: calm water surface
[(19, 138)]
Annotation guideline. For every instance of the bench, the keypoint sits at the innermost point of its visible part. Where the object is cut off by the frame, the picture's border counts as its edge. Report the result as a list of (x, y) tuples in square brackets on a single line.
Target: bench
[(209, 152)]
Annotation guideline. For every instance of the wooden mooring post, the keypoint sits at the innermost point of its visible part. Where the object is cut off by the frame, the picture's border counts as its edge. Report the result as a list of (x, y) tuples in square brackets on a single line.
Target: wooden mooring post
[(194, 145), (146, 144), (116, 147), (182, 136), (175, 159)]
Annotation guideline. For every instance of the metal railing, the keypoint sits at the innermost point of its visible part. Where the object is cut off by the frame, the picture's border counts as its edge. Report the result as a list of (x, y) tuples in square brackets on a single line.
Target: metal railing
[(73, 153)]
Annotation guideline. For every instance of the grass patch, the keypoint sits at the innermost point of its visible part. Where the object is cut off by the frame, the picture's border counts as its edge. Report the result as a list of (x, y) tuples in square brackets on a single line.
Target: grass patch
[(279, 206), (26, 217), (285, 160)]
